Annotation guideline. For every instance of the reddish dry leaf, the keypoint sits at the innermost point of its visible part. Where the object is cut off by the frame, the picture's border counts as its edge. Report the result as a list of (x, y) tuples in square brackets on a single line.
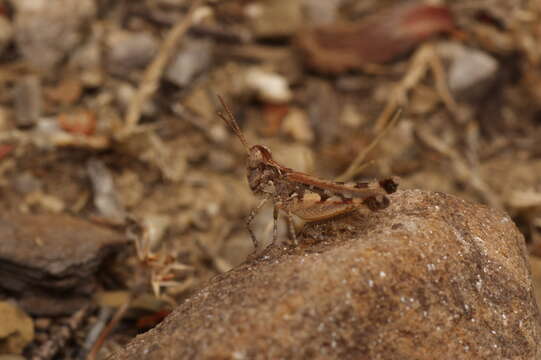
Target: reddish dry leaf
[(5, 150), (80, 121), (145, 323), (4, 10), (377, 39)]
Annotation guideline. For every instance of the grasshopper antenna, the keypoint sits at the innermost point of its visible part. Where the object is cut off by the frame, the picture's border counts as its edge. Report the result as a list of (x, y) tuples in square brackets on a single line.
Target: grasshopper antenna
[(229, 119)]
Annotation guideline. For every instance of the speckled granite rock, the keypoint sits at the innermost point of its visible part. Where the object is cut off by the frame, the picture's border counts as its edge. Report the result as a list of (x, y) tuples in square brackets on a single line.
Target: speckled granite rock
[(431, 277)]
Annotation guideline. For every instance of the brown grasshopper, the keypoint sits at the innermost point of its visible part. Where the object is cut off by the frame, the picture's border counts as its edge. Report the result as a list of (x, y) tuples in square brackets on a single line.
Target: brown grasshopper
[(300, 194)]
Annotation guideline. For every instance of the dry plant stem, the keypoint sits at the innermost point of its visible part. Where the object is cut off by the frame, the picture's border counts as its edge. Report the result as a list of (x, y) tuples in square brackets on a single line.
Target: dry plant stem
[(415, 73), (440, 78), (219, 264), (153, 73), (49, 349), (159, 267), (95, 331), (461, 168), (523, 199), (121, 311), (424, 58), (356, 165)]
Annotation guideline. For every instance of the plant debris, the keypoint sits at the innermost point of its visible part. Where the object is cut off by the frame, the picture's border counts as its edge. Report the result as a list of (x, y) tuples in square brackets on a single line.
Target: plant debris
[(377, 39)]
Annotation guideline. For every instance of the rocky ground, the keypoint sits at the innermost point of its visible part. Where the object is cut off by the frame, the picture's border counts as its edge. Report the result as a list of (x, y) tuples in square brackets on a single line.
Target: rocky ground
[(123, 193)]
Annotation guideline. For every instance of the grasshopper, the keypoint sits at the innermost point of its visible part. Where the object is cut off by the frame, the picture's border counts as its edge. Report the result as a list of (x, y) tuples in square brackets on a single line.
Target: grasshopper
[(305, 196)]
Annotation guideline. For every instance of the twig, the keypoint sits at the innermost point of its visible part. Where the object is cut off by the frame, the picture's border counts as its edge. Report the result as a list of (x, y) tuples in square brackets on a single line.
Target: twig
[(150, 81), (49, 349), (220, 264), (416, 71), (463, 171), (121, 311), (524, 199), (424, 58), (95, 331), (356, 165), (440, 80)]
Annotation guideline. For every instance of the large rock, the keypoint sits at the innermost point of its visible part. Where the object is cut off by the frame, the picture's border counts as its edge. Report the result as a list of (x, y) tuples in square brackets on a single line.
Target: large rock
[(431, 277)]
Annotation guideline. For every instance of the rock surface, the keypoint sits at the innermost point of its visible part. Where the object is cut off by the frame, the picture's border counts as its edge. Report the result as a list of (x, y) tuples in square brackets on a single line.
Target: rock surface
[(430, 277), (50, 259)]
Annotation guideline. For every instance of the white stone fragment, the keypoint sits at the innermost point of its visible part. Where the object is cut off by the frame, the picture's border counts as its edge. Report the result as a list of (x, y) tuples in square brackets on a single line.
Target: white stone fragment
[(471, 71), (269, 86)]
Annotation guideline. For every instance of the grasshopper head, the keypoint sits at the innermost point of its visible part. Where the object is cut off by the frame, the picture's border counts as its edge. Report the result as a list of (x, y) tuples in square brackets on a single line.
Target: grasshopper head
[(259, 155), (260, 169)]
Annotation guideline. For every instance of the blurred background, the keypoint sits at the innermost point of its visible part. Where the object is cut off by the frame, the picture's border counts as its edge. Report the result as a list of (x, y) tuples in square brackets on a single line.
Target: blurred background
[(118, 181)]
